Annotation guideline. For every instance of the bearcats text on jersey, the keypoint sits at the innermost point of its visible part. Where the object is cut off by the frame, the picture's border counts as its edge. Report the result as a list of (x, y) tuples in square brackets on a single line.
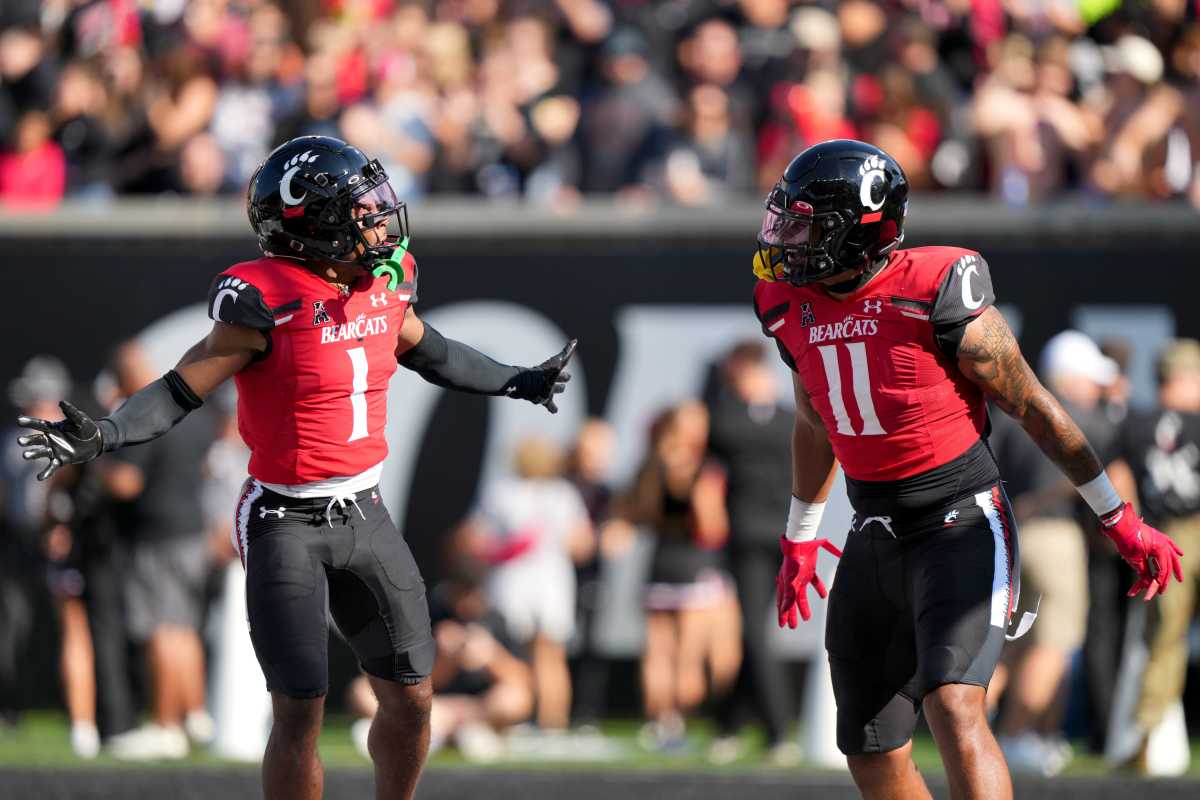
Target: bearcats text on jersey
[(358, 328), (845, 329)]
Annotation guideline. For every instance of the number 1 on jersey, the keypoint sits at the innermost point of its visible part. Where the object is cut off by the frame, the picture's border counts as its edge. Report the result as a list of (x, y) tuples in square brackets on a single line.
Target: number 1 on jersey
[(861, 389), (358, 392)]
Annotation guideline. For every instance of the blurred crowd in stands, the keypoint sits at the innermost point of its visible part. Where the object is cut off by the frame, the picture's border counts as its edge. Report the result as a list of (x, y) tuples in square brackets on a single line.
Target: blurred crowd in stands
[(133, 551), (684, 101)]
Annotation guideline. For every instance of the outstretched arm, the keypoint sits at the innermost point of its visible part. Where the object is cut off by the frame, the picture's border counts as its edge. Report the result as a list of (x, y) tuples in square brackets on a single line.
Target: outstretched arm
[(454, 365), (224, 352), (150, 412), (989, 356)]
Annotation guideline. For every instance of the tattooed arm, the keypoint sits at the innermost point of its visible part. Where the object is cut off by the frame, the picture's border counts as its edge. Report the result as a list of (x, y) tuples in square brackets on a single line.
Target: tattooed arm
[(990, 357)]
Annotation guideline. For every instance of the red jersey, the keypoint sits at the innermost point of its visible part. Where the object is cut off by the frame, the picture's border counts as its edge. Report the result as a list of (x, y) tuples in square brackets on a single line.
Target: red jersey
[(880, 365), (314, 406)]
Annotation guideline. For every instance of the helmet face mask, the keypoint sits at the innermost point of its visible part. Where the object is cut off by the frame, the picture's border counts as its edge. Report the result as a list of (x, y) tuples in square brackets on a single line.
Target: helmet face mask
[(320, 200), (796, 242), (838, 210), (374, 212)]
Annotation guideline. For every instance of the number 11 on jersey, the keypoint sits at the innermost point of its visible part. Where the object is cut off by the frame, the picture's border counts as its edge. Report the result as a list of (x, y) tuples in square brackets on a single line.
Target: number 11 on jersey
[(358, 392), (861, 389)]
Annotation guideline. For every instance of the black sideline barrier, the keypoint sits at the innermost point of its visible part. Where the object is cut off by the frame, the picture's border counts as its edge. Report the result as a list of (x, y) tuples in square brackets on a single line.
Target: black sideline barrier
[(82, 278)]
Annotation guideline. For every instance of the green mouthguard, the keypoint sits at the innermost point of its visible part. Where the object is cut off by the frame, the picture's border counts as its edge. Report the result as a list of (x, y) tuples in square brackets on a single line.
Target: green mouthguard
[(392, 267)]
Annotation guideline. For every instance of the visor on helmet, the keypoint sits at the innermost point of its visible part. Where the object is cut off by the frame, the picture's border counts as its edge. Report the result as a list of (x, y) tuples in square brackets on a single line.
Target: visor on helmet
[(786, 227), (784, 240), (374, 207)]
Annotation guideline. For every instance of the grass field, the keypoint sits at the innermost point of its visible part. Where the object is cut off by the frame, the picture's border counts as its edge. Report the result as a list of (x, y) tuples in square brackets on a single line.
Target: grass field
[(40, 740)]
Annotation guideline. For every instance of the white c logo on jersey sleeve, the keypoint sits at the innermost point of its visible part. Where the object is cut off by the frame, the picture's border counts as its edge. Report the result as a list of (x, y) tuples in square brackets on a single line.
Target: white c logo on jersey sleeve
[(221, 295), (966, 272), (228, 288)]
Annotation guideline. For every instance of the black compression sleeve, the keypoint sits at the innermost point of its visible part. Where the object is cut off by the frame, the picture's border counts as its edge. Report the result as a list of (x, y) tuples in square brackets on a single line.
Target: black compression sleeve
[(454, 365), (149, 413)]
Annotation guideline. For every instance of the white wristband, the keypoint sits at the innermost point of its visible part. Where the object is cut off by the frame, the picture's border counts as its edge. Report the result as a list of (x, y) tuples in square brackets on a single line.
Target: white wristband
[(1100, 494), (803, 520)]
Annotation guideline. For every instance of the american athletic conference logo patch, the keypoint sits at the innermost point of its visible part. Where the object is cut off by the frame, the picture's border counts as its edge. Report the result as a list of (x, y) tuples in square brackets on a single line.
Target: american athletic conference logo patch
[(806, 315), (320, 315)]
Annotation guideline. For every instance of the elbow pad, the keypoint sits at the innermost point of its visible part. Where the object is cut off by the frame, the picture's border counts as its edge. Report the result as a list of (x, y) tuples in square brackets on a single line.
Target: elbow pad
[(149, 413)]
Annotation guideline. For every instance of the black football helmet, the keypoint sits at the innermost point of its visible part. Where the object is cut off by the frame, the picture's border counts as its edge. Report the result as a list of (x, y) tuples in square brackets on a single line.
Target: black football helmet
[(314, 198), (839, 206)]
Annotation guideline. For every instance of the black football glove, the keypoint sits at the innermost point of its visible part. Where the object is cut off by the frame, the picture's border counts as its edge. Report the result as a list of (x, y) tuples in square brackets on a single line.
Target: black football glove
[(539, 384), (73, 440)]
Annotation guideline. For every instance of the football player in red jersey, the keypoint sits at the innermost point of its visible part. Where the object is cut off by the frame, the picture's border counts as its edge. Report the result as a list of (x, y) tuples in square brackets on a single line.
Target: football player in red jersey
[(894, 354), (312, 333)]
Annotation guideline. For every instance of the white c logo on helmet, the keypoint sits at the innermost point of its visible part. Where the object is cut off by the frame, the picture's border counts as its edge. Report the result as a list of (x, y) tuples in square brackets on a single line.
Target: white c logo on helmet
[(285, 188), (871, 170), (864, 189), (293, 166)]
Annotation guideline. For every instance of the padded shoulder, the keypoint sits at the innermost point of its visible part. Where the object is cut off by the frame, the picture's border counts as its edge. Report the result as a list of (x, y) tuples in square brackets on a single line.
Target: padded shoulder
[(926, 267), (964, 290), (771, 303), (236, 301)]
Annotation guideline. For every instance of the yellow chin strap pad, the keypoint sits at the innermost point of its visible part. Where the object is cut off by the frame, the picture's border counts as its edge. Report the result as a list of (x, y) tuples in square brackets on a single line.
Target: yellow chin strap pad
[(763, 270)]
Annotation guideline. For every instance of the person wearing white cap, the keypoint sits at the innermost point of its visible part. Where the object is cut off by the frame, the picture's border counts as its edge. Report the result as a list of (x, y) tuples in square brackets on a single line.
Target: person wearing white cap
[(1053, 558), (1074, 367)]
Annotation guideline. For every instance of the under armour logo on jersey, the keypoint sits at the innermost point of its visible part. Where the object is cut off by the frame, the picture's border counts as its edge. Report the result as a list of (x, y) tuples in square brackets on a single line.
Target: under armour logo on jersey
[(806, 315), (320, 315), (226, 288), (953, 515), (278, 512), (378, 300), (293, 166), (872, 306)]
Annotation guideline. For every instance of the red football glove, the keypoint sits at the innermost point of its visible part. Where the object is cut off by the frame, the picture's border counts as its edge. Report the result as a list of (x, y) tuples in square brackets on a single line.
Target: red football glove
[(798, 570), (1150, 552)]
